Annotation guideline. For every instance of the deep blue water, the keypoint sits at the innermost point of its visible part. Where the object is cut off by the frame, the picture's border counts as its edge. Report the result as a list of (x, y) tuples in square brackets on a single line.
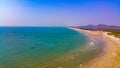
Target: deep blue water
[(40, 47)]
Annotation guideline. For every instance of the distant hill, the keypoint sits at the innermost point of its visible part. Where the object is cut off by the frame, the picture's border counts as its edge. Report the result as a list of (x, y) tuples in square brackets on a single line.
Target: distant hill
[(99, 27), (115, 30)]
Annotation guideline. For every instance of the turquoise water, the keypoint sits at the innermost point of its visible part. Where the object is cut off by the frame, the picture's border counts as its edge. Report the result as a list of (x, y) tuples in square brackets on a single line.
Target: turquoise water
[(42, 47)]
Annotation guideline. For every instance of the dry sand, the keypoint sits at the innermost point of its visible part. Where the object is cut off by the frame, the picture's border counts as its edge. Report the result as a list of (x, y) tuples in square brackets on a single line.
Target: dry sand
[(110, 58)]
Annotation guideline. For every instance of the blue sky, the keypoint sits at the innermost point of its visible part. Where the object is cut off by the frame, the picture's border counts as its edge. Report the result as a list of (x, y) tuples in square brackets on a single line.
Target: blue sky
[(59, 12)]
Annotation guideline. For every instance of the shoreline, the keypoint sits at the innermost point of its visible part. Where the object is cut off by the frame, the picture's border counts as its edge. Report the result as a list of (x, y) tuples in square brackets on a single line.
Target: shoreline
[(110, 57)]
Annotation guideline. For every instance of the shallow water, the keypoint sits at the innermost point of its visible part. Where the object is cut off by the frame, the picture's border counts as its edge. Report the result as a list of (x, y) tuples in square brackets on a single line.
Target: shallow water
[(45, 47)]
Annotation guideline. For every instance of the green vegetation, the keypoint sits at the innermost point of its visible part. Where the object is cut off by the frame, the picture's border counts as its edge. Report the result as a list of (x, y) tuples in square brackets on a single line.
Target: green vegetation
[(111, 31), (115, 32)]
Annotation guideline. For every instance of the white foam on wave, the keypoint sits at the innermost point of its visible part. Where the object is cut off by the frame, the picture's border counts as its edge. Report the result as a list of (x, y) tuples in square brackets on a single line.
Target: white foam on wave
[(91, 44)]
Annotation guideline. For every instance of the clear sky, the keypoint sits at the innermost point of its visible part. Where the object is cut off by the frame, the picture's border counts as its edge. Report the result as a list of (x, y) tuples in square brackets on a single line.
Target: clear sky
[(59, 12)]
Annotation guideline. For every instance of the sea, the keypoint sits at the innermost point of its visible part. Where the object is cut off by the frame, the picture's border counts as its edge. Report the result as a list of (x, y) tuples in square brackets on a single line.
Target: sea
[(46, 47)]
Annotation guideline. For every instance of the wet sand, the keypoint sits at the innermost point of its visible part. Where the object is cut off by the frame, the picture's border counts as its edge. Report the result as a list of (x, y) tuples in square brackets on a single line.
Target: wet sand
[(110, 57)]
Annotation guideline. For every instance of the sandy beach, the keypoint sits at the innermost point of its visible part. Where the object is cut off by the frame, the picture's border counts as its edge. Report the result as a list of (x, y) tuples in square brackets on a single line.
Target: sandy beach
[(110, 58)]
